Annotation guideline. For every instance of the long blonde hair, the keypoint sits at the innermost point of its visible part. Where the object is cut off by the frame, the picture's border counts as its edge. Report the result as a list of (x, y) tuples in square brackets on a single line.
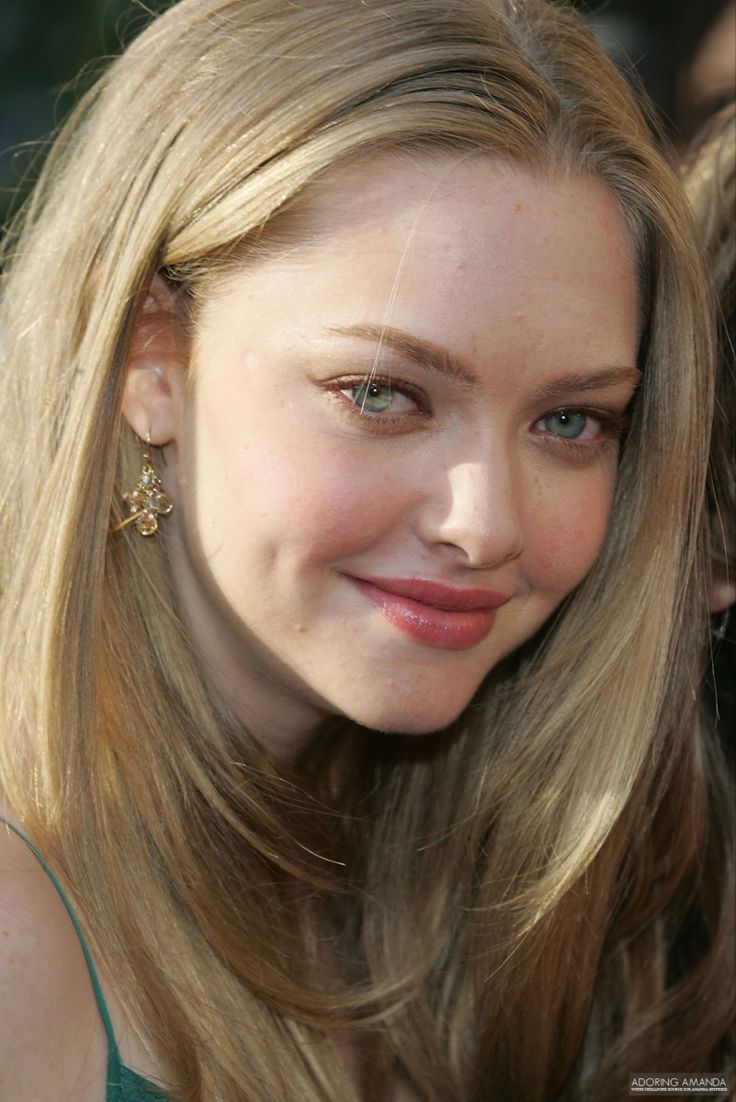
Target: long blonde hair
[(523, 906)]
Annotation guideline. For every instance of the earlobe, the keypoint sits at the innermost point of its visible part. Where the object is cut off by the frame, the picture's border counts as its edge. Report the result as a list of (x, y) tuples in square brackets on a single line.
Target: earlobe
[(150, 402)]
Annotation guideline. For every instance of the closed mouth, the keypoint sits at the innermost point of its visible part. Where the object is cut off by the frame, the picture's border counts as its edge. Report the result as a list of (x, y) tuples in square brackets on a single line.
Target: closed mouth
[(432, 613)]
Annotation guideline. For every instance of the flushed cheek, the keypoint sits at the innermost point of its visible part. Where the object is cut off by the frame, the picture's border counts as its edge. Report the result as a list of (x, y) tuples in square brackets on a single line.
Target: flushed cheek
[(563, 539), (313, 503)]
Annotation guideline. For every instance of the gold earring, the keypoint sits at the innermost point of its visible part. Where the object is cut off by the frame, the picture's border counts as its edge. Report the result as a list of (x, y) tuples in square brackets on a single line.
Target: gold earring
[(146, 501)]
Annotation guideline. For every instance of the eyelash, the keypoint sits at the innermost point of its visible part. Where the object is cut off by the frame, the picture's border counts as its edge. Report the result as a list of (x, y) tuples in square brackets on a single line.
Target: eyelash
[(613, 424)]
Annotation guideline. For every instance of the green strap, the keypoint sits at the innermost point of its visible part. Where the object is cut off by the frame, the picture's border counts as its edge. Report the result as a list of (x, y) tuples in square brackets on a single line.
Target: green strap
[(113, 1057)]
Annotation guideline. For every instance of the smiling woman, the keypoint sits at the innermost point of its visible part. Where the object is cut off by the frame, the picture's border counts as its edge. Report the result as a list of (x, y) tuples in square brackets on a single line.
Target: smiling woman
[(356, 391), (437, 423)]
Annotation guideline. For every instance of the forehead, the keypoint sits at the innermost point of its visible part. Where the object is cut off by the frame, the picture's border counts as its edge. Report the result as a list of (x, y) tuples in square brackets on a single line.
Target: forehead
[(459, 242), (441, 205)]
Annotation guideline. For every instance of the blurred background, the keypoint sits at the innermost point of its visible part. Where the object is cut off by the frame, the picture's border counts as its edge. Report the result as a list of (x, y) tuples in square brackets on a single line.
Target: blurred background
[(683, 52)]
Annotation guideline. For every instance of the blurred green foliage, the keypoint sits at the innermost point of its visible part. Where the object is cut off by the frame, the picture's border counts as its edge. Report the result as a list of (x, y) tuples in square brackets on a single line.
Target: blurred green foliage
[(50, 51)]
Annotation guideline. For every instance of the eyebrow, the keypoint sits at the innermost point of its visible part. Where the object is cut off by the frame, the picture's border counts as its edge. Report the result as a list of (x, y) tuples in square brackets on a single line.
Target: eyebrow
[(424, 353), (429, 355), (599, 379)]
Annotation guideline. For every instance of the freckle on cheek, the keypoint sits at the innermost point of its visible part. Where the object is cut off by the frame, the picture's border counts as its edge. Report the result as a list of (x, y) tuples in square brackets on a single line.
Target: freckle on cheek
[(551, 553)]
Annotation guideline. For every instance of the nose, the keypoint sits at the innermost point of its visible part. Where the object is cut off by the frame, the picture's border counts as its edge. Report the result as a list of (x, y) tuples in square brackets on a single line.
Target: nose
[(475, 510)]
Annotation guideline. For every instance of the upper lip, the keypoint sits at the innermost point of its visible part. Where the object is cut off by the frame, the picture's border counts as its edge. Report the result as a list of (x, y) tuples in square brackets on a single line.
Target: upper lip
[(437, 594)]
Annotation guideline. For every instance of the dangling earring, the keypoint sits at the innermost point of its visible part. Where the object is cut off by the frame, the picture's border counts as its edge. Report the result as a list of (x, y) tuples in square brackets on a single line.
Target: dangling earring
[(146, 501)]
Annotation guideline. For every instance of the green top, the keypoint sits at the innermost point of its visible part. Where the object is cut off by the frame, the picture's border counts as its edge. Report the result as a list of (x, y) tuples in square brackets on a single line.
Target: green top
[(123, 1085)]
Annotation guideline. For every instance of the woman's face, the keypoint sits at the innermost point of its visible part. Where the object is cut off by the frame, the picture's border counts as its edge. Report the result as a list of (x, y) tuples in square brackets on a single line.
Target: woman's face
[(398, 445)]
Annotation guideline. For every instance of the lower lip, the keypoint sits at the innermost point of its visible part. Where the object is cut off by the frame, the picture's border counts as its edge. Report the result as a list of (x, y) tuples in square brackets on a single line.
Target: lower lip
[(434, 627)]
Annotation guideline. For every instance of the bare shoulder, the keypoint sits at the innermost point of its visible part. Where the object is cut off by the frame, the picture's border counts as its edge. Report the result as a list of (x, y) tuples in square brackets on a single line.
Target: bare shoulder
[(52, 1043)]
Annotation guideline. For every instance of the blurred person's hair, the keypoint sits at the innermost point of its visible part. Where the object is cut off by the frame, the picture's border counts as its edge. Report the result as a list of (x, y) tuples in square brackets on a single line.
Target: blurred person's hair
[(709, 177), (693, 104)]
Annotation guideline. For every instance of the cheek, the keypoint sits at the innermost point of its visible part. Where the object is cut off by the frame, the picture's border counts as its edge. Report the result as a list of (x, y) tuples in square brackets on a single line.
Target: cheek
[(564, 532), (332, 503), (308, 498)]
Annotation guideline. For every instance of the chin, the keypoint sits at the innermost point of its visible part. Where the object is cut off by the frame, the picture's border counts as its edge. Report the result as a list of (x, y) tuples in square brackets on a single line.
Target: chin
[(407, 720)]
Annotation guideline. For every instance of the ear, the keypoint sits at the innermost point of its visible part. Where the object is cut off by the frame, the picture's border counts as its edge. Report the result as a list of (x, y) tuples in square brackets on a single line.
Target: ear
[(154, 386)]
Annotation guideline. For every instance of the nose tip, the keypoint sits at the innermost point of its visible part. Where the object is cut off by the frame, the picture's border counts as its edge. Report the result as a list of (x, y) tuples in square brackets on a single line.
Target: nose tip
[(477, 514)]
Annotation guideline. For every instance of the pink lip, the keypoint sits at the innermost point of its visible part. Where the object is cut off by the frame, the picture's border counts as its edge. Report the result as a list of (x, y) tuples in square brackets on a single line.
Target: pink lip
[(432, 613)]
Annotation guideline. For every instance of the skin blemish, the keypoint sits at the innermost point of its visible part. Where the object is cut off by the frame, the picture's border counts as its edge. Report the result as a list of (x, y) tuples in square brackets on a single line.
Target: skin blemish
[(518, 206)]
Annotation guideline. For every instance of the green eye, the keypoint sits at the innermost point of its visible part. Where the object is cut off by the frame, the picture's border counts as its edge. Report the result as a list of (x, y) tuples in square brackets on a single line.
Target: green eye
[(372, 397), (569, 424)]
